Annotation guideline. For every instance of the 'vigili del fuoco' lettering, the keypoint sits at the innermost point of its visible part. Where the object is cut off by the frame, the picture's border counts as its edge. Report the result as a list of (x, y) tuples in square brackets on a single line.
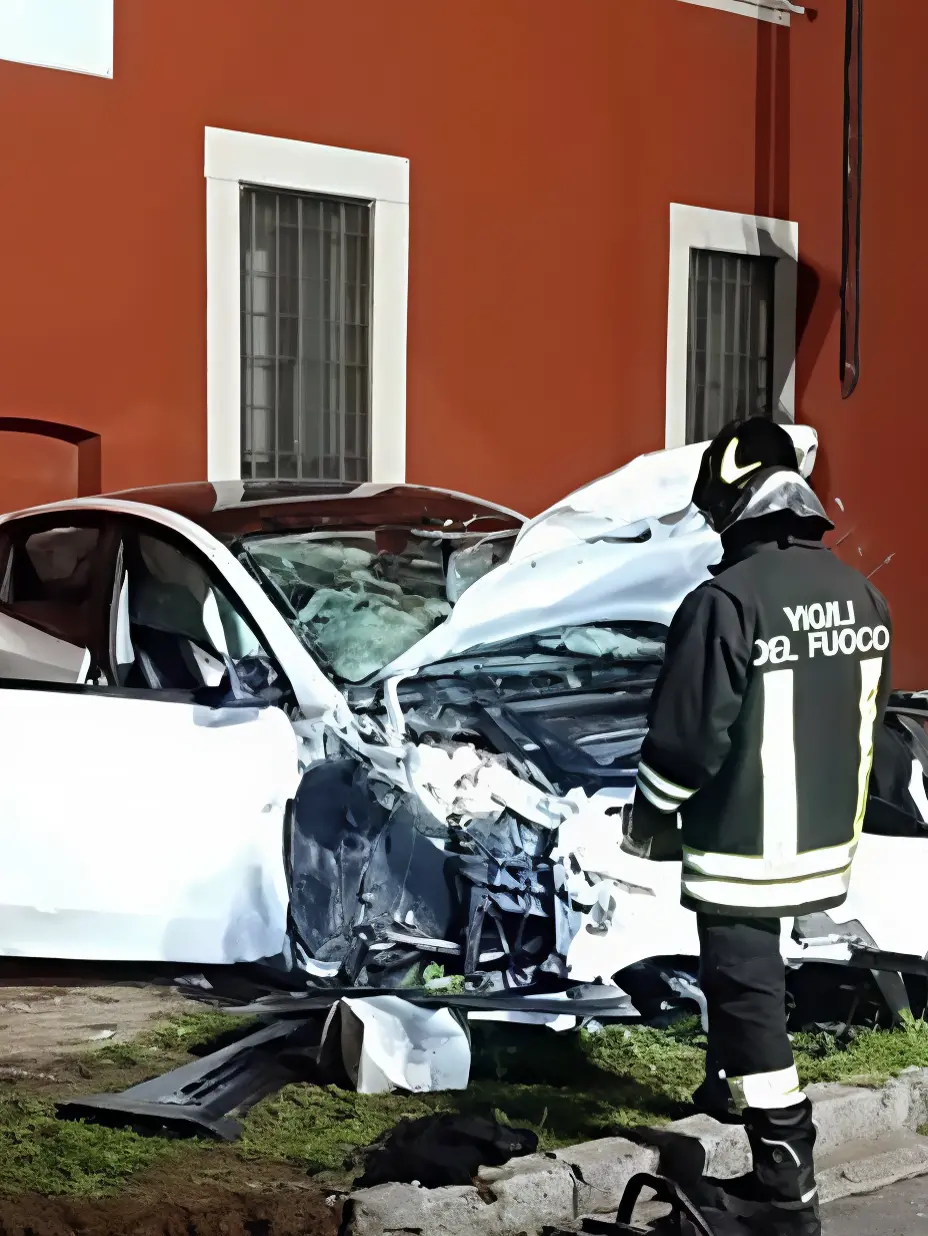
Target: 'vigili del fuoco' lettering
[(818, 617), (864, 639)]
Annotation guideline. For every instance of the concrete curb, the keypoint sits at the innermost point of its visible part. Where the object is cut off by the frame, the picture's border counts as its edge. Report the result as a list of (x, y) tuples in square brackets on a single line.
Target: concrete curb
[(866, 1138)]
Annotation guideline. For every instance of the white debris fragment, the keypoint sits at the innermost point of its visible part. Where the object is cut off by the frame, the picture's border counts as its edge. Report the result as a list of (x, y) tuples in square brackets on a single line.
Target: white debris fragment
[(631, 905), (388, 1043), (558, 1022), (601, 642), (460, 783)]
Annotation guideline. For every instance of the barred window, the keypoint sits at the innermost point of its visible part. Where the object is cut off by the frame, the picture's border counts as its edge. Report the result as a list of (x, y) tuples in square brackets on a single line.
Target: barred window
[(729, 340), (306, 300)]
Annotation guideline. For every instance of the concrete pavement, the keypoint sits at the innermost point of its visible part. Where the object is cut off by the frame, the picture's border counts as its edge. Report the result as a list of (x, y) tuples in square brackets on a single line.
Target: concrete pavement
[(866, 1140), (898, 1210)]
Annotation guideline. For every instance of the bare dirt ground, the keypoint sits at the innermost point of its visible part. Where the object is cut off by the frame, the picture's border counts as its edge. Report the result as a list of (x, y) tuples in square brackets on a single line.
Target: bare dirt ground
[(173, 1208), (40, 1028), (41, 1024)]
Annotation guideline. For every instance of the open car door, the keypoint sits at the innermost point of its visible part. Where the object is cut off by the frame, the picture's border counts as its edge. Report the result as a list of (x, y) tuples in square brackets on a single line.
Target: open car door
[(137, 823)]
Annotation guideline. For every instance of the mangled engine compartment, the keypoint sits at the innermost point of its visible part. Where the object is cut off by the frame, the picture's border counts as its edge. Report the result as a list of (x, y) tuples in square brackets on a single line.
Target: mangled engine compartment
[(478, 859), (453, 862), (423, 847), (463, 839), (472, 839)]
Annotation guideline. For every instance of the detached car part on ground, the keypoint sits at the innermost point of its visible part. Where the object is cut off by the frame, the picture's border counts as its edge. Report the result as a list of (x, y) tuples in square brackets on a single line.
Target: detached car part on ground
[(437, 707)]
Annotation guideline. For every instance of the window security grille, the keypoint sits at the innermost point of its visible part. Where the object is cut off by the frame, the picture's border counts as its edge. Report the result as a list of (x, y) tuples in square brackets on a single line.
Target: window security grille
[(306, 345), (729, 340)]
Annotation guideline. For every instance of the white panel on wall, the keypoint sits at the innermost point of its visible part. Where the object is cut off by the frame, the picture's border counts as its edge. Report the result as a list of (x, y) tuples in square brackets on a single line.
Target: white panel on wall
[(76, 35)]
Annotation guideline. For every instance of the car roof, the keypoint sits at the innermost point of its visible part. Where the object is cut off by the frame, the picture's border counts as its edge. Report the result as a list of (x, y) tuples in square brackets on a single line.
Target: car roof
[(230, 509)]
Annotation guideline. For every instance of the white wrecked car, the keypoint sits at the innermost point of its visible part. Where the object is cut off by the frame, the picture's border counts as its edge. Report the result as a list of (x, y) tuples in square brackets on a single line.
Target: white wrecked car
[(341, 740)]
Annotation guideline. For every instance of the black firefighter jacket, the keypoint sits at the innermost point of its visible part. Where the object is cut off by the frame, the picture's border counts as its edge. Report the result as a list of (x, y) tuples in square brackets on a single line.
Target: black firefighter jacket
[(761, 730)]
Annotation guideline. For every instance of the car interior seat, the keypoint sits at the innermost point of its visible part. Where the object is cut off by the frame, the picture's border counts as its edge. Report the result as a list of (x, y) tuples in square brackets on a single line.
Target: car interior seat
[(169, 633)]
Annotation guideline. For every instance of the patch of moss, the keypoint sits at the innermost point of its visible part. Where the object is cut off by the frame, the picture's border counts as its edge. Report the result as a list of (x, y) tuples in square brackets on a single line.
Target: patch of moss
[(669, 1062), (116, 1066), (193, 1031), (433, 976), (871, 1055), (41, 1154), (322, 1127)]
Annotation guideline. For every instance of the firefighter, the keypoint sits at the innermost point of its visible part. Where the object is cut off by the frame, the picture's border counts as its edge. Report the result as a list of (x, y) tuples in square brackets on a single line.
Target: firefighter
[(756, 764)]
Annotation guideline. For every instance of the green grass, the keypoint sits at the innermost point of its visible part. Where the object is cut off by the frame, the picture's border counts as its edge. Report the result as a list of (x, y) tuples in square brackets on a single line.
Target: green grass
[(39, 1154), (322, 1127), (566, 1087), (174, 1039), (872, 1055)]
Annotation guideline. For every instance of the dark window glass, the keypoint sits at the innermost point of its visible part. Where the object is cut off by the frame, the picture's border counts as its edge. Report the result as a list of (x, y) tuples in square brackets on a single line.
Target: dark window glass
[(306, 290), (729, 341), (48, 581), (174, 628)]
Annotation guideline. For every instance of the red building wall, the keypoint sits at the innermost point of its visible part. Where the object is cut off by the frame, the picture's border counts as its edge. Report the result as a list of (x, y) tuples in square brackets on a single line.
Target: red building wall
[(874, 443), (546, 142)]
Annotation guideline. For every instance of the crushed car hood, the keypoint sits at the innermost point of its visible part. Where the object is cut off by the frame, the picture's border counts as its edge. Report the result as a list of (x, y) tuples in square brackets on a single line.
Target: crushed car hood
[(627, 547)]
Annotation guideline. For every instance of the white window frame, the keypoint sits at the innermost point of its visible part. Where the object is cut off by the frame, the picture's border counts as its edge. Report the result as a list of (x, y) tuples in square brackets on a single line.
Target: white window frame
[(693, 227), (762, 10), (74, 36), (232, 159)]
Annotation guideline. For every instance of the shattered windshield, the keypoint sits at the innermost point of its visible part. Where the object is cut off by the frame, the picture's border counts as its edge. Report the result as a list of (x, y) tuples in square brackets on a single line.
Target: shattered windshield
[(357, 600)]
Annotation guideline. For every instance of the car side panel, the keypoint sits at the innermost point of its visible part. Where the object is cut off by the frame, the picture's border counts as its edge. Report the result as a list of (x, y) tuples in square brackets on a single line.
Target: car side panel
[(142, 829)]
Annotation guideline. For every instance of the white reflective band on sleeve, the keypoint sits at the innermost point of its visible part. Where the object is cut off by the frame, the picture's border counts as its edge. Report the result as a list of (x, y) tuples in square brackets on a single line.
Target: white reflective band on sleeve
[(767, 1090), (760, 870), (666, 805), (669, 789), (772, 895)]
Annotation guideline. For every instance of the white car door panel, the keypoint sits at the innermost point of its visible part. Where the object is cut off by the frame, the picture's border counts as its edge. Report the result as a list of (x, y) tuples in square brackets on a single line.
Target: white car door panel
[(27, 652), (138, 828)]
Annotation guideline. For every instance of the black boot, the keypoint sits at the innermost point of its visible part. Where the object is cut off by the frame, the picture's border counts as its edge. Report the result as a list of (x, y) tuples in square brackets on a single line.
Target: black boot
[(783, 1180), (777, 1198)]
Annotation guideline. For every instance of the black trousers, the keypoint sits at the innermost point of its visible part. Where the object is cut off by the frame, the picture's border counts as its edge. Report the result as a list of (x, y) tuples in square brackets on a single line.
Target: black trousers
[(744, 981)]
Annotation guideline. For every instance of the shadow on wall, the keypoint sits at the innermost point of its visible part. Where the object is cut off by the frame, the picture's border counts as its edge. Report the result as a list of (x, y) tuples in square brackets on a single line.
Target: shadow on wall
[(817, 304), (38, 464), (817, 307), (818, 291)]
